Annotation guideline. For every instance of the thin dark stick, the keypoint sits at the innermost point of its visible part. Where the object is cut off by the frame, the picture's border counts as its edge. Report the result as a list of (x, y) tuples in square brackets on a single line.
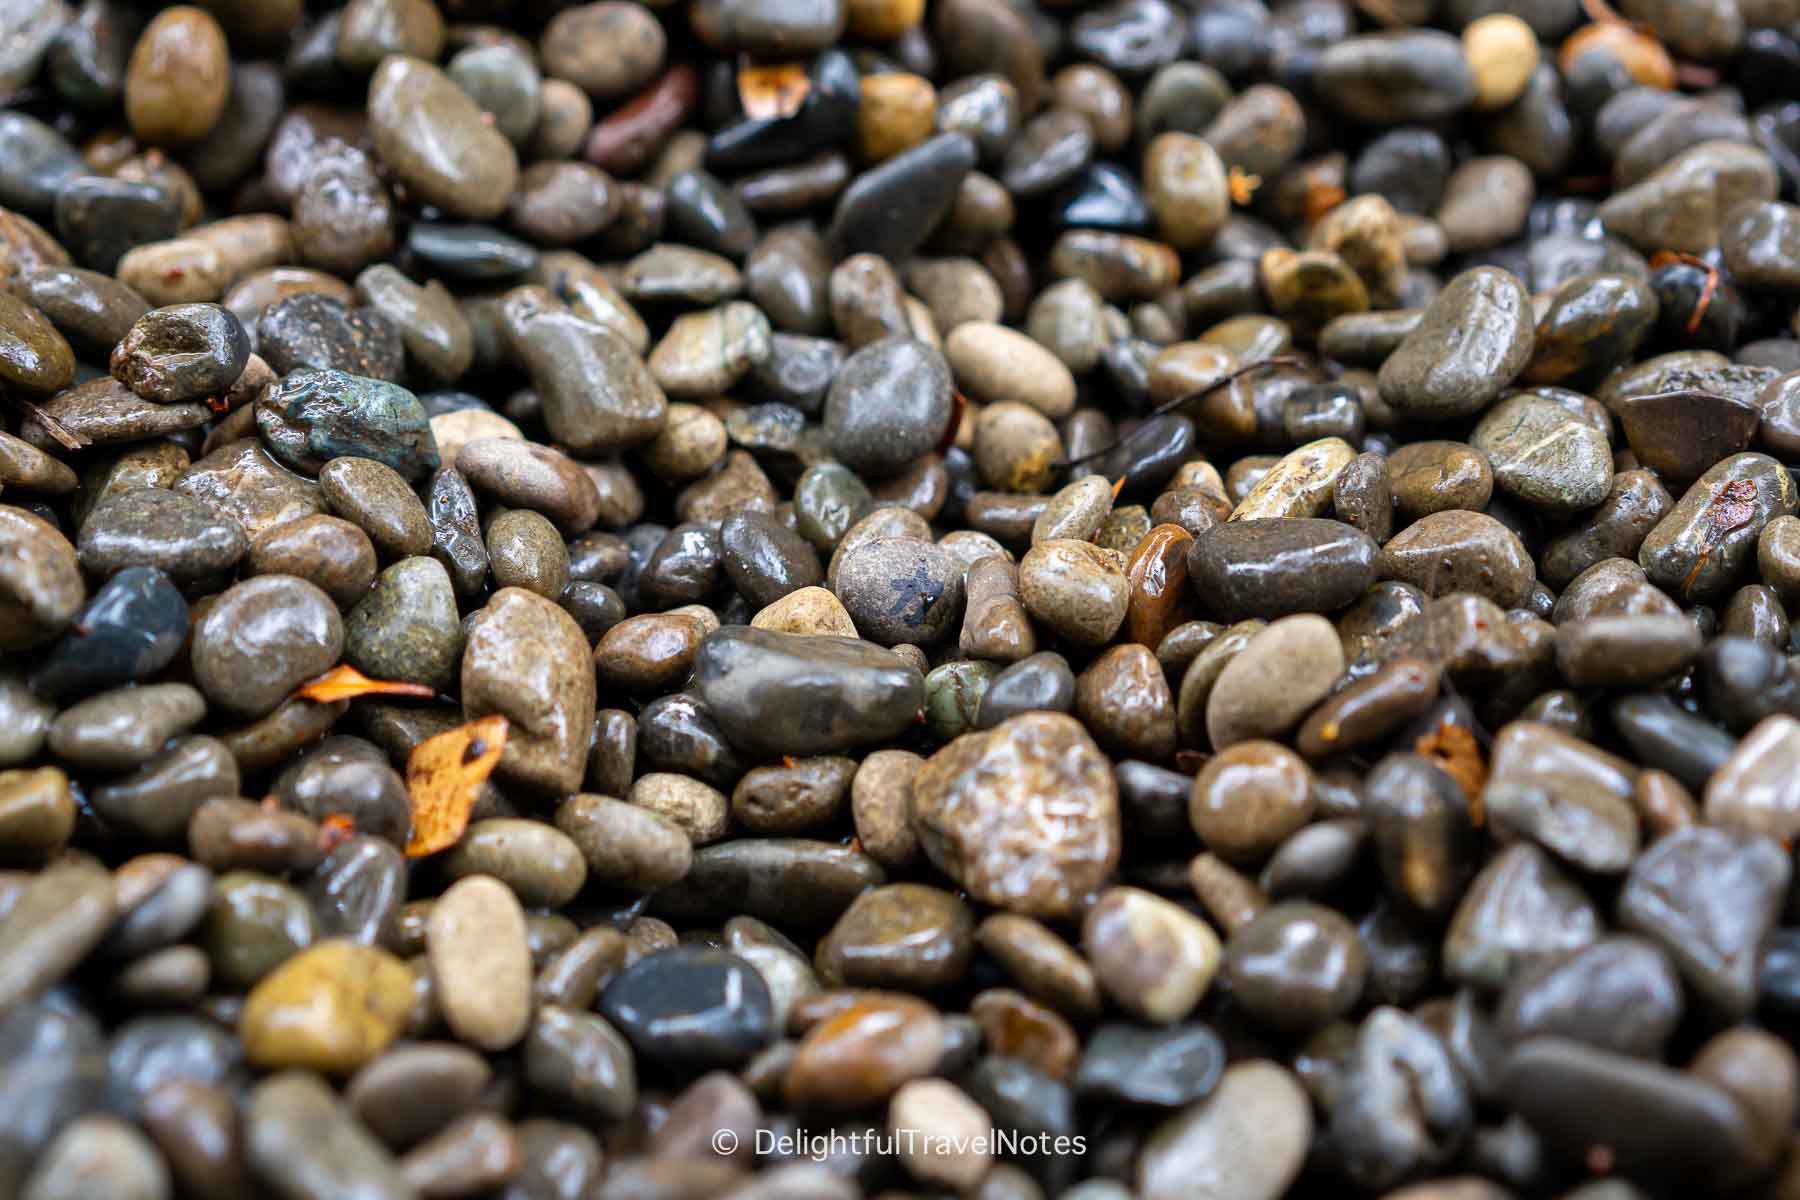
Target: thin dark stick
[(1169, 406)]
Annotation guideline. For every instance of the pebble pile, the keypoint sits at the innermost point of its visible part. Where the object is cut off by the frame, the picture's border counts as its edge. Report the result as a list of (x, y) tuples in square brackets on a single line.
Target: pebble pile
[(1032, 599)]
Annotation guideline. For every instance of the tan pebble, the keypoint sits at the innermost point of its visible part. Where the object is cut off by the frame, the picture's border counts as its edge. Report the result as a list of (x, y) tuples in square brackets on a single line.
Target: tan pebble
[(1301, 484), (1077, 589), (944, 1135), (807, 610), (1281, 673), (703, 812), (895, 113), (1154, 958), (880, 800), (1502, 52), (994, 364), (183, 270), (454, 430), (480, 962)]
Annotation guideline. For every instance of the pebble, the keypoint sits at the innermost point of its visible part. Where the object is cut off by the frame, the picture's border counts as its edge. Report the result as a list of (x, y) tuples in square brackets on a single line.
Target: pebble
[(98, 1155), (583, 1061), (336, 556), (413, 1090), (956, 1133), (1712, 930), (331, 1008), (1619, 994), (1564, 794), (1486, 201), (889, 404), (1543, 455), (302, 1139), (102, 412), (542, 866), (431, 135), (1299, 485), (900, 590), (889, 209), (310, 330), (132, 628), (178, 77), (704, 354), (1394, 77), (841, 693), (596, 392), (1472, 340), (792, 799), (124, 728), (1518, 912), (1403, 1106), (53, 923), (91, 309), (181, 352), (1124, 699), (264, 638), (903, 936), (864, 1053), (1681, 206), (1152, 957), (1281, 673), (994, 364), (1166, 1068), (1297, 965), (1247, 1140), (690, 1007), (1700, 546), (697, 809), (480, 965), (1622, 651), (1461, 551), (523, 474), (550, 706), (983, 811), (313, 416), (37, 812), (1660, 1122), (1075, 588)]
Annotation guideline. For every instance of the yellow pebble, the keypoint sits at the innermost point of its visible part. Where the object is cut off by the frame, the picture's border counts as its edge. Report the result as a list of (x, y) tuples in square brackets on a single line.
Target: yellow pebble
[(1502, 52), (896, 112), (883, 20), (330, 1009)]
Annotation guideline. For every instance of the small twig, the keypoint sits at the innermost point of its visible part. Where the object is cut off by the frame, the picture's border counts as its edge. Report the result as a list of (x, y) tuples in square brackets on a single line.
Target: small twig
[(1707, 291), (1382, 13), (1169, 406), (67, 438)]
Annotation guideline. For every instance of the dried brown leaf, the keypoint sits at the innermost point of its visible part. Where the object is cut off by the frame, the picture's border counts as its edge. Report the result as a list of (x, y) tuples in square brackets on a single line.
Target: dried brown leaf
[(772, 91), (444, 775)]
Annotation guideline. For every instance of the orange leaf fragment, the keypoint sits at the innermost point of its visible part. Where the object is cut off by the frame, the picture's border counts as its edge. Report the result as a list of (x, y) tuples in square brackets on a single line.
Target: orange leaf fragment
[(775, 91), (1320, 199), (335, 830), (959, 409), (1242, 185), (1454, 749), (443, 775), (345, 682)]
